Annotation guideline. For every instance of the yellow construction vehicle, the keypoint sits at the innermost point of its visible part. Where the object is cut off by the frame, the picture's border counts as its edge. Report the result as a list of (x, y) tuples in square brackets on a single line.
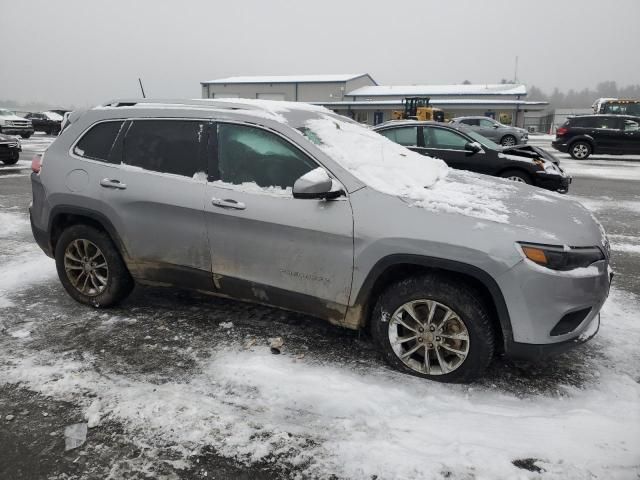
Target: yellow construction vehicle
[(417, 108)]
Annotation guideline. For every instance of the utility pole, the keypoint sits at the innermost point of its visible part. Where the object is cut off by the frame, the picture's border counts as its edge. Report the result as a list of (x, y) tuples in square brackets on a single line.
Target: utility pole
[(141, 88), (515, 73)]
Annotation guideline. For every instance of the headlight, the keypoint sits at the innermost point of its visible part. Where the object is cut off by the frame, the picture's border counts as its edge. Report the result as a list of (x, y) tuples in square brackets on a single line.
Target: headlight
[(561, 258)]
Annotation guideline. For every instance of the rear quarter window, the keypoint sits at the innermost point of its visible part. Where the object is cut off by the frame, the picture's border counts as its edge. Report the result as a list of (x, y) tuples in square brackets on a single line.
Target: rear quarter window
[(97, 143)]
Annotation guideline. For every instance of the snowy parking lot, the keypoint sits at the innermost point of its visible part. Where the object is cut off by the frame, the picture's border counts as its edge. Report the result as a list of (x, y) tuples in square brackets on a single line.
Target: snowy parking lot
[(175, 384)]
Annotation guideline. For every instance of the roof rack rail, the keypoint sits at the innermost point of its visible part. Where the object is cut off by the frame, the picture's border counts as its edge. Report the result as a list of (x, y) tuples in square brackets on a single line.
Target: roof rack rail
[(196, 102)]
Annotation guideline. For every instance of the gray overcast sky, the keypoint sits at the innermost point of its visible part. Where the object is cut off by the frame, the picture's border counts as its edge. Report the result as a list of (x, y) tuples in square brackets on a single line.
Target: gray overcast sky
[(85, 52)]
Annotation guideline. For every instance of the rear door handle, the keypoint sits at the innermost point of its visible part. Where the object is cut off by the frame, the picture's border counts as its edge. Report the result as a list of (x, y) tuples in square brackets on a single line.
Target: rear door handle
[(227, 203), (112, 183)]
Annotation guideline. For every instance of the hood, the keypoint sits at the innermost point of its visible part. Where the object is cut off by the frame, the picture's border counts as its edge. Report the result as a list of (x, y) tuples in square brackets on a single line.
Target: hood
[(526, 212), (8, 138), (15, 117), (530, 151)]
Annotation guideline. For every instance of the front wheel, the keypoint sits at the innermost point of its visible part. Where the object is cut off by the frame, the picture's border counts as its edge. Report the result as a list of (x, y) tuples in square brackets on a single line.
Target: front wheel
[(508, 141), (517, 176), (25, 135), (434, 327), (580, 150), (90, 267)]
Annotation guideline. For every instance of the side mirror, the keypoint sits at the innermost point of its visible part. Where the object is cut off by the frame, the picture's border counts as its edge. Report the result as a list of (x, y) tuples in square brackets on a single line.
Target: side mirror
[(473, 147), (495, 125), (316, 184)]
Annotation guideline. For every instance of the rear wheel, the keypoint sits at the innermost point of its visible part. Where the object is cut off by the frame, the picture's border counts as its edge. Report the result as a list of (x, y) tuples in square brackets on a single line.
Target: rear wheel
[(508, 141), (580, 150), (90, 267), (434, 327), (517, 176)]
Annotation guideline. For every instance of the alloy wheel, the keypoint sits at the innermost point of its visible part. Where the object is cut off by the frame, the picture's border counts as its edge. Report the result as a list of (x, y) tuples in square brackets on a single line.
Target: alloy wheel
[(86, 267), (515, 178), (508, 141), (428, 337), (580, 150)]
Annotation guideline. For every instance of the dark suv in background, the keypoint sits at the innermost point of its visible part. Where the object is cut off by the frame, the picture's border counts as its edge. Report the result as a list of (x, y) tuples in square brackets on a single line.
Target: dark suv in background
[(605, 134)]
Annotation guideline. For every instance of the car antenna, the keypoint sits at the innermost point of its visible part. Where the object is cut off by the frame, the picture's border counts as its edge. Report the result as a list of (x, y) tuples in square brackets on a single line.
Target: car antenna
[(141, 88)]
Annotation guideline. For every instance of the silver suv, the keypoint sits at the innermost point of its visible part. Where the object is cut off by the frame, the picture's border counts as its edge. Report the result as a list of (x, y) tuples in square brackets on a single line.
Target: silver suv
[(505, 135), (293, 206)]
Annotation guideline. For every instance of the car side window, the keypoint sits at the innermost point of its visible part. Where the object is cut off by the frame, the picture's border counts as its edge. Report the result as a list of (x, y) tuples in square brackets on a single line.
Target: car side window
[(486, 123), (607, 123), (253, 155), (444, 139), (97, 143), (631, 126), (407, 136), (167, 146), (471, 121)]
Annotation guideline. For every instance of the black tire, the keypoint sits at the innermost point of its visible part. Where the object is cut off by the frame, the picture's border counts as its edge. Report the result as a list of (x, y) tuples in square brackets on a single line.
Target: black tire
[(118, 280), (508, 140), (48, 131), (12, 160), (447, 292), (517, 176), (580, 150), (26, 135)]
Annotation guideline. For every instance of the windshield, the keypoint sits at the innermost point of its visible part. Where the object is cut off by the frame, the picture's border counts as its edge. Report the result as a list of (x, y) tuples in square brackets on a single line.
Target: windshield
[(6, 113), (484, 141)]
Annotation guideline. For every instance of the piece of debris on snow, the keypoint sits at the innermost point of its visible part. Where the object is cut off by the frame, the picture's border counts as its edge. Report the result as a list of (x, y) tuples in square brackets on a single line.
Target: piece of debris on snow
[(250, 343), (92, 415), (75, 435), (528, 464), (226, 325), (9, 417), (276, 345)]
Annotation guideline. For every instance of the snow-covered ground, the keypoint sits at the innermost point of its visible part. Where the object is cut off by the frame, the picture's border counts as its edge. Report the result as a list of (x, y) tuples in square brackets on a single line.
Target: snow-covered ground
[(192, 374)]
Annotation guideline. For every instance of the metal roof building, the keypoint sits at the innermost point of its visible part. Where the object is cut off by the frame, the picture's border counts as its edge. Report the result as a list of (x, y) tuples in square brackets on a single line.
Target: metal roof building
[(360, 97)]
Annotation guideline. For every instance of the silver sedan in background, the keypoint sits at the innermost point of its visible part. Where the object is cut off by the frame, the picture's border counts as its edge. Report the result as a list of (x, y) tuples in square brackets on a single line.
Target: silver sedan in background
[(494, 130)]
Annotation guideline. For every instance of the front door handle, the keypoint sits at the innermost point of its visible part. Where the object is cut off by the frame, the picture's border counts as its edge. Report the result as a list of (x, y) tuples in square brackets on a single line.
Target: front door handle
[(112, 183), (227, 203)]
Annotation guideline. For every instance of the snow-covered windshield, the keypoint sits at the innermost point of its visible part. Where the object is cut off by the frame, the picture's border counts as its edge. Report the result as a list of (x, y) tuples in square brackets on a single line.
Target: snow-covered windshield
[(377, 161), (6, 113)]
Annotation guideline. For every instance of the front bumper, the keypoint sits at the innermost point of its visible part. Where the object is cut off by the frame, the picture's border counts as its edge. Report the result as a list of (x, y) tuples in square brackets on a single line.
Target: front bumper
[(552, 181), (538, 299), (528, 351), (18, 130), (560, 145)]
